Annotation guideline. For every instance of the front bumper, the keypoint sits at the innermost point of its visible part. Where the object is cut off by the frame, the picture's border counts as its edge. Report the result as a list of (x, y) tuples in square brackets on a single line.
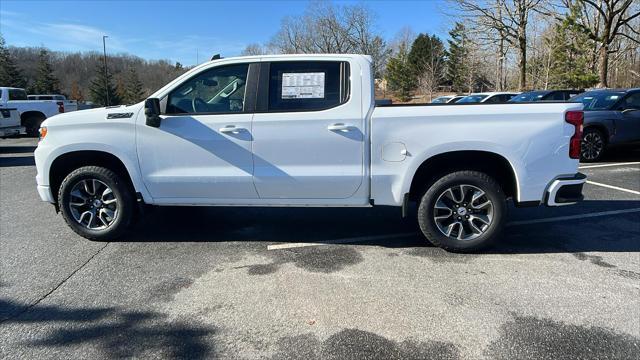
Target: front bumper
[(565, 191), (45, 193)]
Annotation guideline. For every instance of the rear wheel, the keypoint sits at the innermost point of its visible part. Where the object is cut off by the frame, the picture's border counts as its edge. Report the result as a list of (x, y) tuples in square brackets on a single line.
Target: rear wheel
[(32, 124), (462, 211), (593, 144), (96, 203)]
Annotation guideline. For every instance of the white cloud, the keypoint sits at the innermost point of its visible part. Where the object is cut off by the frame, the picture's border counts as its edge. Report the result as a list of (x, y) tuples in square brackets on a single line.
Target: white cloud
[(19, 30)]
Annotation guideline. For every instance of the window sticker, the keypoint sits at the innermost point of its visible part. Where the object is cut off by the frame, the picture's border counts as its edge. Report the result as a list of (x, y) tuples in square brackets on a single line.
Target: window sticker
[(303, 85)]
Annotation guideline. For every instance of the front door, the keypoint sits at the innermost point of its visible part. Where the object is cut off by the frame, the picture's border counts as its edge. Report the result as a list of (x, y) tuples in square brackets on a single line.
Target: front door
[(628, 124), (308, 138), (201, 153)]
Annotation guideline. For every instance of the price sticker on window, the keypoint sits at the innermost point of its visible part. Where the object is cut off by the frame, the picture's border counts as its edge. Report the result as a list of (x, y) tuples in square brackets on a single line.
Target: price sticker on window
[(303, 85)]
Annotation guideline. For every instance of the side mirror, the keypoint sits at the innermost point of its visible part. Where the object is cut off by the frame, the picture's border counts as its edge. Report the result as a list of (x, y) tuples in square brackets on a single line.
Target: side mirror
[(152, 112)]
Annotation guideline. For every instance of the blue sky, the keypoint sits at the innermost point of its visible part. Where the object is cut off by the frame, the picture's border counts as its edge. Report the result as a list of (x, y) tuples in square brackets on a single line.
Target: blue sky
[(178, 30)]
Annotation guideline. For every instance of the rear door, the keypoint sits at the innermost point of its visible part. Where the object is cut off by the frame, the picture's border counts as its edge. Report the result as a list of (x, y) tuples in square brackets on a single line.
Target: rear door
[(308, 131)]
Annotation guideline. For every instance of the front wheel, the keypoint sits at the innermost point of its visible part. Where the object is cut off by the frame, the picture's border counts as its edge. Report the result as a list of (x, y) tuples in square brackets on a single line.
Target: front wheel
[(462, 211), (96, 203)]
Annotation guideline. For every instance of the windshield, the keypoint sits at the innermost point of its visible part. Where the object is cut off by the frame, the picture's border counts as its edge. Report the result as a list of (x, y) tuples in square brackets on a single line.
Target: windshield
[(441, 100), (472, 99), (529, 96), (598, 100)]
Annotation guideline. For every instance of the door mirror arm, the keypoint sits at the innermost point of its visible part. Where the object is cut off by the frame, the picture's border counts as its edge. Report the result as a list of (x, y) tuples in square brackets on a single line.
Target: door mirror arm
[(152, 112)]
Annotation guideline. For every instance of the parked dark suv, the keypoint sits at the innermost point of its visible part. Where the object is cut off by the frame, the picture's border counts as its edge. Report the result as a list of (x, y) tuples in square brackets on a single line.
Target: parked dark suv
[(611, 117), (546, 95)]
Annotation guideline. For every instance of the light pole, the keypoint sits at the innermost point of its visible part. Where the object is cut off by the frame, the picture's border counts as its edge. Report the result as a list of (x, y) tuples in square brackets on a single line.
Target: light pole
[(106, 79)]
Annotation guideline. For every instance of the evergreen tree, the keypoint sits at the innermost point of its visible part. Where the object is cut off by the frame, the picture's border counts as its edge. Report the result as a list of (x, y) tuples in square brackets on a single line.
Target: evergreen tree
[(101, 85), (426, 50), (10, 74), (457, 58), (121, 89), (400, 75), (135, 89), (46, 82), (570, 61)]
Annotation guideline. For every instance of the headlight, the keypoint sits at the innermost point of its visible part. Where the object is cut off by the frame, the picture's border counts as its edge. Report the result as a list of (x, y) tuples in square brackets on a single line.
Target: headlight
[(43, 132)]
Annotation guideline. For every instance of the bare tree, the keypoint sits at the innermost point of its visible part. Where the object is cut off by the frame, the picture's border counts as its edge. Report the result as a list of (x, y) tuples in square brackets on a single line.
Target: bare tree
[(507, 20), (433, 73), (605, 22), (253, 49), (329, 28)]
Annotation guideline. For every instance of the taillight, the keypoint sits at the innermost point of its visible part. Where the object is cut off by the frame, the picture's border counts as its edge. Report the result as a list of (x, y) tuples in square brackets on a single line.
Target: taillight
[(60, 106), (575, 118)]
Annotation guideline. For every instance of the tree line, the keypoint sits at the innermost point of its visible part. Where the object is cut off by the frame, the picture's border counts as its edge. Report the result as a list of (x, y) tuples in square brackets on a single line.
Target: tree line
[(81, 76), (492, 45)]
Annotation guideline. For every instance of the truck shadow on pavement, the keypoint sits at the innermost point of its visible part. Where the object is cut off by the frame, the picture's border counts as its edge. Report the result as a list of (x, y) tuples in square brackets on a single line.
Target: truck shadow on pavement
[(384, 227), (115, 332)]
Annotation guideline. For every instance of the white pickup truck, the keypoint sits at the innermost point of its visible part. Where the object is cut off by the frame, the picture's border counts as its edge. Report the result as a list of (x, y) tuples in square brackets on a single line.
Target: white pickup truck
[(33, 112), (304, 130)]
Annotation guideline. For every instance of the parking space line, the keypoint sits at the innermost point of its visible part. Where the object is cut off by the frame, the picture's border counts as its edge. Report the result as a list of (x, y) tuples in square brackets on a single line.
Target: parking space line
[(613, 187), (607, 165), (574, 217), (340, 241)]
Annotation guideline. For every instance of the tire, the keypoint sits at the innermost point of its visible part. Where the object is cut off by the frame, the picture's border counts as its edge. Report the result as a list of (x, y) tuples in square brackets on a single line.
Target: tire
[(593, 145), (99, 217), (32, 125), (446, 193)]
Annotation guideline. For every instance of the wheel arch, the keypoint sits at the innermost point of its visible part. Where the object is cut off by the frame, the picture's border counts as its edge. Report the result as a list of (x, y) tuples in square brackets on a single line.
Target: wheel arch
[(29, 114), (491, 163), (65, 163)]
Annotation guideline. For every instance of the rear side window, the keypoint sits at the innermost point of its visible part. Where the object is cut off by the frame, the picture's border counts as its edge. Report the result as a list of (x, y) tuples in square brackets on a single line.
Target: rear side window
[(17, 94), (308, 85)]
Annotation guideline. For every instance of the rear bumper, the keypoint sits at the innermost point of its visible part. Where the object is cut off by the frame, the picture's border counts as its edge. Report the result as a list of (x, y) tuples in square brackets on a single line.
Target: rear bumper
[(12, 131), (565, 191)]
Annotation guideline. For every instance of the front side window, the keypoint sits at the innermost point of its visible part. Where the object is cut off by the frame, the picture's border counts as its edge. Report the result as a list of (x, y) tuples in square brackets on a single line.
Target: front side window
[(307, 85), (494, 99), (218, 90)]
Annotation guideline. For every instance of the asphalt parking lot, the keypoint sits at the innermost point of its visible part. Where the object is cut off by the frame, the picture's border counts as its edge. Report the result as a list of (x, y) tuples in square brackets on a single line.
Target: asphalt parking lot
[(291, 284)]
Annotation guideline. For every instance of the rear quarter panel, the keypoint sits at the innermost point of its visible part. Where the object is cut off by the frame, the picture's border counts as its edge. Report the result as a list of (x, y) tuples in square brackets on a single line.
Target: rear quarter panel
[(533, 138)]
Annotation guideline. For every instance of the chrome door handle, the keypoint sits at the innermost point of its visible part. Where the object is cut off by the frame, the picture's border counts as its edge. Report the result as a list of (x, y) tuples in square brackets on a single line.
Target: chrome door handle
[(231, 129), (339, 127)]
